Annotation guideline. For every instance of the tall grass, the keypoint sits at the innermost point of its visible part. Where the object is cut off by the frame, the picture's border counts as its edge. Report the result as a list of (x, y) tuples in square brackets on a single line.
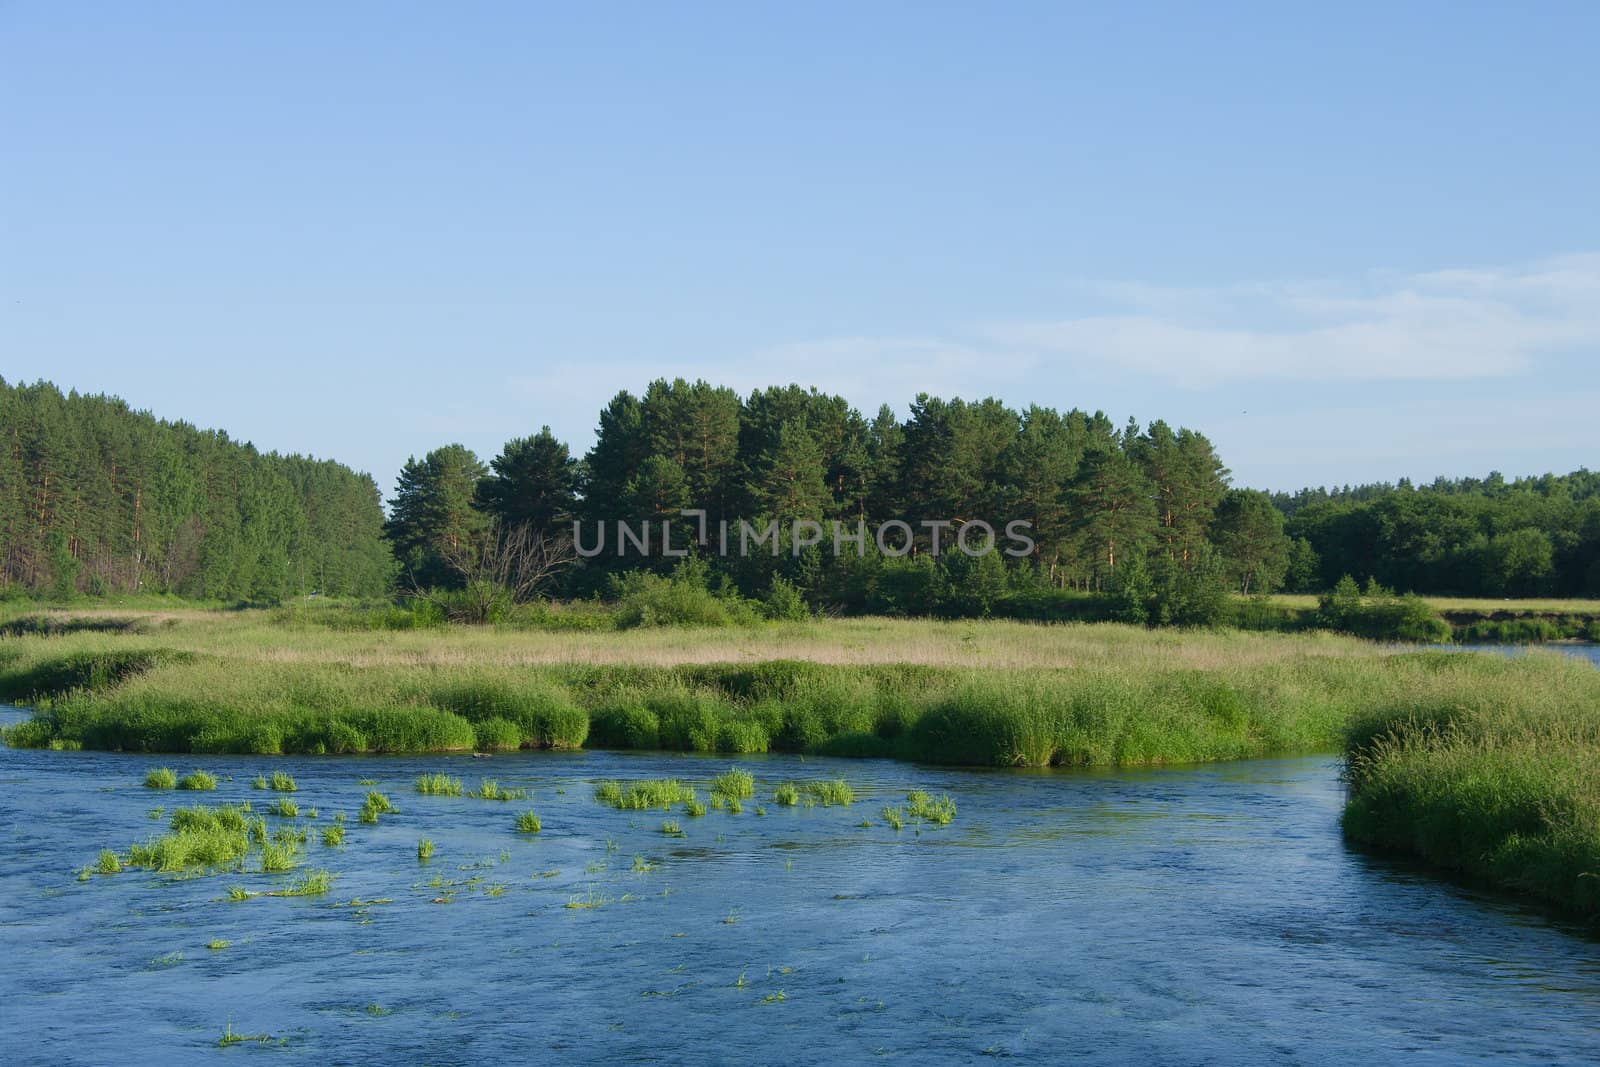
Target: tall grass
[(737, 782), (161, 778), (1499, 783), (439, 785), (528, 823), (645, 795)]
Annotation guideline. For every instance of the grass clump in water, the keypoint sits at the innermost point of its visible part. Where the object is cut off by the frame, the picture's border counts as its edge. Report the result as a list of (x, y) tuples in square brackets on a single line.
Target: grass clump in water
[(277, 856), (694, 808), (230, 1038), (671, 828), (160, 778), (895, 818), (374, 805), (217, 944), (311, 884), (284, 807), (198, 780), (424, 850), (736, 784), (201, 838), (490, 789), (333, 836), (644, 795), (938, 811), (439, 785), (528, 823), (830, 792), (260, 782), (787, 794), (283, 783), (108, 862)]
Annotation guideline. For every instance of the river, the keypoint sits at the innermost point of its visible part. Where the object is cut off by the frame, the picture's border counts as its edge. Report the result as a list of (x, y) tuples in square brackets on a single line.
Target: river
[(1187, 915)]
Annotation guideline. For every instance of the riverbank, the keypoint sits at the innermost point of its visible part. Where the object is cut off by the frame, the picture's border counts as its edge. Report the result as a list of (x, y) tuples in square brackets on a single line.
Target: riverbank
[(1499, 787)]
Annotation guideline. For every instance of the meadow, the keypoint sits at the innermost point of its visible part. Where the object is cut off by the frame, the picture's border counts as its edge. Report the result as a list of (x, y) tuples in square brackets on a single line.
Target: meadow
[(1482, 765)]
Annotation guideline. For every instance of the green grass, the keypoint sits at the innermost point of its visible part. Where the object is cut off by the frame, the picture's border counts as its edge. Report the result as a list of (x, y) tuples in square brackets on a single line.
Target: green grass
[(490, 789), (229, 1038), (830, 792), (438, 785), (985, 694), (787, 794), (200, 781), (333, 836), (937, 810), (1500, 785), (671, 828), (694, 807), (217, 944), (374, 805), (285, 807), (283, 783), (645, 795), (736, 783), (528, 823), (424, 850), (108, 862), (309, 884), (161, 778), (277, 856)]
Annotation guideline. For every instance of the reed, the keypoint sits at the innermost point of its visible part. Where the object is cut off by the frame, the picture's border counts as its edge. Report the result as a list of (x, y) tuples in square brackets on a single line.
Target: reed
[(830, 792), (198, 780), (438, 785), (736, 783), (490, 789)]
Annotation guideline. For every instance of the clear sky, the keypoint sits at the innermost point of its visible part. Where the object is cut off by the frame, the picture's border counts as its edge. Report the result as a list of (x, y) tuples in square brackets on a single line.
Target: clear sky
[(1349, 242)]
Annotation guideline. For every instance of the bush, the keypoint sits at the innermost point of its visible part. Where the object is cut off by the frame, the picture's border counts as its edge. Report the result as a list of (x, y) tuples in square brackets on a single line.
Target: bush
[(783, 602), (1380, 615), (497, 735)]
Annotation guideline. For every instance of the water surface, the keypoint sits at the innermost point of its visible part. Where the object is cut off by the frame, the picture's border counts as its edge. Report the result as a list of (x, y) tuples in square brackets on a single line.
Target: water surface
[(1191, 915)]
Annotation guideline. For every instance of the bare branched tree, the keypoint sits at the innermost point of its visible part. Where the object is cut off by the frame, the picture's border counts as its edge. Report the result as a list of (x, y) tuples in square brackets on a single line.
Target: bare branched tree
[(512, 563)]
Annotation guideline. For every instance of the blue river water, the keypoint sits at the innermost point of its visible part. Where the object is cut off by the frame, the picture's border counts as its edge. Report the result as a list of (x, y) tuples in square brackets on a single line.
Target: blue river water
[(1204, 915)]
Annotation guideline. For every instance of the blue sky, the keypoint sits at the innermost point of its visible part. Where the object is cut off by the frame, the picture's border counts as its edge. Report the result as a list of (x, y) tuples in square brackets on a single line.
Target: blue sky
[(1348, 242)]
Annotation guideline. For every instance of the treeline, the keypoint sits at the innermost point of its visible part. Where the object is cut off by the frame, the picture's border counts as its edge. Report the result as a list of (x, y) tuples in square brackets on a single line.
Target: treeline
[(1143, 511), (1484, 537), (98, 498)]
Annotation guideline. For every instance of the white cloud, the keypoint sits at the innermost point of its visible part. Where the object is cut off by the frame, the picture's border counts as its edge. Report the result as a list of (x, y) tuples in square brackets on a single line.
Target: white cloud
[(1450, 324)]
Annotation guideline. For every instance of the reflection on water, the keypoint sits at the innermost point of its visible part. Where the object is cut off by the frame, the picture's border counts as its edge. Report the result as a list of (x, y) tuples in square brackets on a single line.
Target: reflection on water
[(1188, 915), (1577, 651)]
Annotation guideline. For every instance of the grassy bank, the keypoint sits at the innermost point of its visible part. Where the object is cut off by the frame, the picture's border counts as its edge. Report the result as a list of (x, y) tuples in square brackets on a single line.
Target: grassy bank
[(1499, 781), (990, 694)]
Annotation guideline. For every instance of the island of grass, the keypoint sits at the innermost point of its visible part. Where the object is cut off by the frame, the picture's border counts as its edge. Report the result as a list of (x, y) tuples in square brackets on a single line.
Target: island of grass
[(1484, 765)]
